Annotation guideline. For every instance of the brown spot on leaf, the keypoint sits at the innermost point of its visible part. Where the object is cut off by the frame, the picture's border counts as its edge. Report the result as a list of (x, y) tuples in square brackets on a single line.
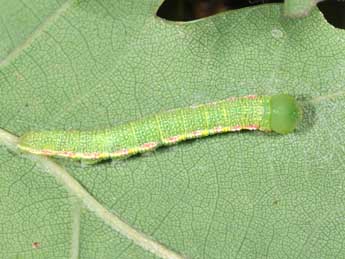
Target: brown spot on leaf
[(36, 245)]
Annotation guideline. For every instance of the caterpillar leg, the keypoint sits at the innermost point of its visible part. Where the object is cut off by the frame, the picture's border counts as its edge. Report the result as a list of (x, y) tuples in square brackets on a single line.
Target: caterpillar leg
[(89, 162)]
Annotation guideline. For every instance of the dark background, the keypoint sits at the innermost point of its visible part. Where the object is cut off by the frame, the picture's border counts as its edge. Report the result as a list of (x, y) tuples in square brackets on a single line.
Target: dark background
[(187, 10)]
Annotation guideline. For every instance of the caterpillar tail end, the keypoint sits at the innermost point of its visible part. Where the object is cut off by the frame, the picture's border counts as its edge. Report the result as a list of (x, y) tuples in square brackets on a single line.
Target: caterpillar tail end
[(27, 143), (26, 139), (285, 113)]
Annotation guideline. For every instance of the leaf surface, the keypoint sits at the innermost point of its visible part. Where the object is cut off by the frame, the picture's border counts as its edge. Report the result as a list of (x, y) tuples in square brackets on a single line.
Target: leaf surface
[(20, 19), (238, 195), (299, 8)]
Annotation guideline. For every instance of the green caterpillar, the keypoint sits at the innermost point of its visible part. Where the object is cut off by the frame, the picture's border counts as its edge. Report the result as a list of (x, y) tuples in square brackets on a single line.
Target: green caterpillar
[(278, 113)]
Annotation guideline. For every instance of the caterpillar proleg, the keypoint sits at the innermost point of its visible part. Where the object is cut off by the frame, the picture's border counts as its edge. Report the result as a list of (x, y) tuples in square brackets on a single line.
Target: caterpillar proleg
[(278, 113)]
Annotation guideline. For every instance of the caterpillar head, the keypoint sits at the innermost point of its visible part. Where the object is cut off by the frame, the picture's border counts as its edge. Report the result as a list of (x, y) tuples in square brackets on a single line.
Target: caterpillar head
[(285, 113)]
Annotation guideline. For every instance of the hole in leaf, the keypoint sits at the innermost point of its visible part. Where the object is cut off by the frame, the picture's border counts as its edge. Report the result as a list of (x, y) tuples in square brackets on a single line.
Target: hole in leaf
[(334, 12), (189, 10)]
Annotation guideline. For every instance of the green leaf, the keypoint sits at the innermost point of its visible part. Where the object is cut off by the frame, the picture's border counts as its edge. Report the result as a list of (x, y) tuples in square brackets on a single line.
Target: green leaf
[(93, 64), (298, 8), (19, 19)]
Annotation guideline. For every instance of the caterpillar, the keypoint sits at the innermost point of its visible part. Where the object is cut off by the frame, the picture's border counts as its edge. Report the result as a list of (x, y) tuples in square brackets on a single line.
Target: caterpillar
[(277, 113)]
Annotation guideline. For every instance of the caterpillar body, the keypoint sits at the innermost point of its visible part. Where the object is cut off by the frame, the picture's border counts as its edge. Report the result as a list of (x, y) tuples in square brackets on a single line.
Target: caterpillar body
[(278, 113)]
